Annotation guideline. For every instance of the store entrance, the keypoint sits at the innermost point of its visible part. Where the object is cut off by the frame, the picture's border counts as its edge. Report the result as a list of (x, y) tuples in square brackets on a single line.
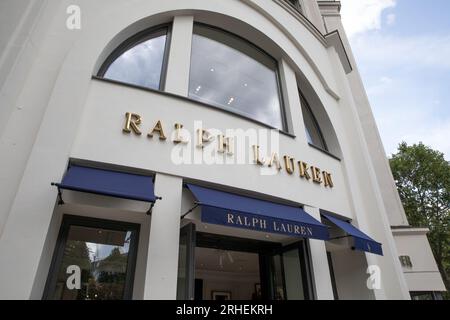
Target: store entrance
[(226, 274), (218, 267)]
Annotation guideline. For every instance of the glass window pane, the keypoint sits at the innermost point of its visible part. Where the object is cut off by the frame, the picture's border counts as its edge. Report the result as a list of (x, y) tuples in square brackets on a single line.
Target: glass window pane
[(277, 278), (232, 74), (313, 134), (422, 296), (293, 275), (102, 256), (182, 267), (140, 65)]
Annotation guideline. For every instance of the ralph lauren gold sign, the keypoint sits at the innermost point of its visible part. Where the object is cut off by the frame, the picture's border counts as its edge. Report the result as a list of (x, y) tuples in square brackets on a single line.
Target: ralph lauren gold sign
[(225, 145)]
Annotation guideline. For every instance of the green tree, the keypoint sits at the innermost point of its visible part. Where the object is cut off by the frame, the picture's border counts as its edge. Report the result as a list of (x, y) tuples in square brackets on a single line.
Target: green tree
[(422, 176)]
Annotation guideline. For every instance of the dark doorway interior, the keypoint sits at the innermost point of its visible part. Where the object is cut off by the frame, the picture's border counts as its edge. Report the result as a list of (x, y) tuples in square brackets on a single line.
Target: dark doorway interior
[(225, 267)]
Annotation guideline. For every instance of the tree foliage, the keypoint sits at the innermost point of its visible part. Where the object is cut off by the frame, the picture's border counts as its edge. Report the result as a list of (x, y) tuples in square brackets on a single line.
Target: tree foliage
[(422, 176)]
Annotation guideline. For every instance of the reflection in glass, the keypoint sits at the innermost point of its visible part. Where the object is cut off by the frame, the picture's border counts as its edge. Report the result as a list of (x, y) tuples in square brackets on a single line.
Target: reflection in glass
[(277, 278), (422, 296), (293, 275), (313, 133), (141, 64), (102, 256), (182, 268), (232, 74)]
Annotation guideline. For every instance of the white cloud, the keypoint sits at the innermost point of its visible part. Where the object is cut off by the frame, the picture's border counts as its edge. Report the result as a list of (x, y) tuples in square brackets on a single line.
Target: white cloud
[(435, 135), (359, 16), (406, 113), (390, 19), (406, 106), (384, 84), (421, 50)]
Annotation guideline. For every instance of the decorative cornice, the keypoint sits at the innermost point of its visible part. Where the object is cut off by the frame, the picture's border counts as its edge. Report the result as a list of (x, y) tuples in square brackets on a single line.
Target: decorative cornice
[(334, 39), (408, 230), (330, 8), (301, 18)]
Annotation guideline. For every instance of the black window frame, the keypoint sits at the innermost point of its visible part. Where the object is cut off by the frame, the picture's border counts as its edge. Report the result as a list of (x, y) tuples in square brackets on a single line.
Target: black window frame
[(82, 221), (266, 250), (283, 113), (304, 104), (135, 40), (434, 295), (332, 275), (296, 5)]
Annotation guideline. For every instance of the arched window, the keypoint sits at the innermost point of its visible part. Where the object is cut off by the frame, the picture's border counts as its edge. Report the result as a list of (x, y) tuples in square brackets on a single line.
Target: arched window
[(312, 128), (232, 74), (139, 60)]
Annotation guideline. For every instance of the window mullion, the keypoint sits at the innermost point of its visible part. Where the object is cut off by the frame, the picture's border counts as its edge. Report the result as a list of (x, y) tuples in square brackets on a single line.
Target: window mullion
[(179, 60)]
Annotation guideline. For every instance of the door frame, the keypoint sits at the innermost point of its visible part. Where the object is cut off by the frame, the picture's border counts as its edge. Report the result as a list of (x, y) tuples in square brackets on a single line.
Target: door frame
[(82, 221), (266, 251), (305, 264), (191, 239)]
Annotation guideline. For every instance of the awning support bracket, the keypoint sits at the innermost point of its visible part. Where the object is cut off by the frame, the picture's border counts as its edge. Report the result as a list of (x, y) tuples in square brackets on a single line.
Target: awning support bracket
[(190, 210), (60, 199), (149, 211)]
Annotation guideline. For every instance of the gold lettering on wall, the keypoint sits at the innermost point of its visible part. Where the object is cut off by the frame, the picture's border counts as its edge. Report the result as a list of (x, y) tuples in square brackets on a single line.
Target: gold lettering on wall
[(328, 182), (133, 120), (178, 136), (256, 156), (275, 160), (289, 164), (225, 144), (158, 128), (304, 170), (203, 136), (316, 175)]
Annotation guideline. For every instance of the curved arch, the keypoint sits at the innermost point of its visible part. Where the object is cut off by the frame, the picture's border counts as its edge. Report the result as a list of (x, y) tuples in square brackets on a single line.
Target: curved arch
[(244, 30), (234, 25), (140, 60)]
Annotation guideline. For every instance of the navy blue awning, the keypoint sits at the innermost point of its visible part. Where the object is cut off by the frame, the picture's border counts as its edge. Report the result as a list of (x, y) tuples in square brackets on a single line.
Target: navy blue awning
[(108, 183), (238, 211), (362, 241)]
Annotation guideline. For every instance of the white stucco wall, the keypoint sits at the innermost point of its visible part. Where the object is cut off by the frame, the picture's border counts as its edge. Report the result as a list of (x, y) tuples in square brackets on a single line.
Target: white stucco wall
[(424, 274), (70, 115)]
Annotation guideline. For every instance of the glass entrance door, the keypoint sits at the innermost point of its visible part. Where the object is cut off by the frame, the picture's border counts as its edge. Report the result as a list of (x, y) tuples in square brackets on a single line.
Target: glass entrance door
[(212, 266), (288, 273), (186, 263)]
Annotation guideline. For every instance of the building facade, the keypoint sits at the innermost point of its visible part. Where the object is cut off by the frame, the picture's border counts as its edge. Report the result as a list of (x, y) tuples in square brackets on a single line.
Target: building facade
[(194, 150)]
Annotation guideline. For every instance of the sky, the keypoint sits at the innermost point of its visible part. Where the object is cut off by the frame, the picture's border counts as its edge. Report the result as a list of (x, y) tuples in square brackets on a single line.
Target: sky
[(402, 48)]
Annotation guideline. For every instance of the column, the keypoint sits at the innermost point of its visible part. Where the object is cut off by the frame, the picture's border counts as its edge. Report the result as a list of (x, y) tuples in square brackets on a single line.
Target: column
[(321, 271), (177, 76), (162, 259), (292, 104)]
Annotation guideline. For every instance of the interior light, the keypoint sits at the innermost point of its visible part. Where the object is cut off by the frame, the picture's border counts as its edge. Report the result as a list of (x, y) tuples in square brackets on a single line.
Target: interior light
[(198, 88), (230, 101), (212, 70)]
